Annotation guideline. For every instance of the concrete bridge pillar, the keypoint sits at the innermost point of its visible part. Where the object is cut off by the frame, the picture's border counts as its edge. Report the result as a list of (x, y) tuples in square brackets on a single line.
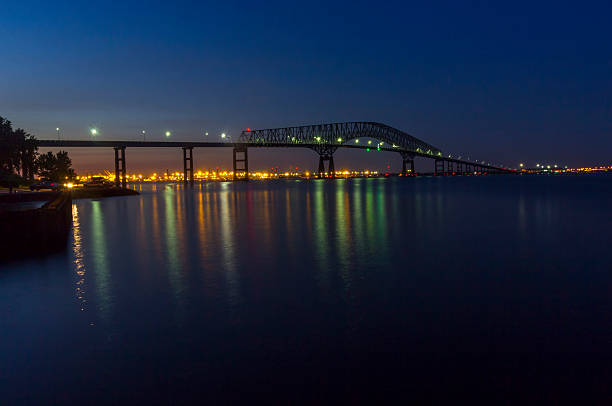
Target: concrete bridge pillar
[(120, 172), (407, 164), (241, 162), (326, 153), (188, 164), (331, 169), (439, 167)]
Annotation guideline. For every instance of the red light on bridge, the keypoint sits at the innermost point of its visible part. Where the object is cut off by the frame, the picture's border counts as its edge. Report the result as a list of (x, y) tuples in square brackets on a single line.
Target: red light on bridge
[(248, 130)]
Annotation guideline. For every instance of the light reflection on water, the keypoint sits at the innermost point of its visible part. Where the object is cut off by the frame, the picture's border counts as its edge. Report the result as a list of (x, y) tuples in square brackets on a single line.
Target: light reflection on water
[(231, 286), (79, 266), (98, 256)]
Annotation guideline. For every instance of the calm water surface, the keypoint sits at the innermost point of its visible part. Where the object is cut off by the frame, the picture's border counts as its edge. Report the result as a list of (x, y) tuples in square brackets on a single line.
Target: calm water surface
[(496, 288)]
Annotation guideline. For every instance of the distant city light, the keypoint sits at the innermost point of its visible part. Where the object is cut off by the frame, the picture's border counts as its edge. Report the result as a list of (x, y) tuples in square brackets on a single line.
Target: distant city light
[(93, 131), (223, 135), (168, 133)]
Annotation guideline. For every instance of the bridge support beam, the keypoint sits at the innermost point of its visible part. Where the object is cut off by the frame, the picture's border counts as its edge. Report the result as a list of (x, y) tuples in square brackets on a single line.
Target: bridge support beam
[(331, 169), (326, 153), (241, 163), (407, 164), (188, 164), (120, 173), (439, 167)]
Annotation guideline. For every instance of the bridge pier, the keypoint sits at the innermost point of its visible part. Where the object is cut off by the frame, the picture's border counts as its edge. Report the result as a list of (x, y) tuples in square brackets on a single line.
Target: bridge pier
[(241, 156), (120, 167), (188, 164), (407, 164), (326, 153), (331, 169), (439, 167)]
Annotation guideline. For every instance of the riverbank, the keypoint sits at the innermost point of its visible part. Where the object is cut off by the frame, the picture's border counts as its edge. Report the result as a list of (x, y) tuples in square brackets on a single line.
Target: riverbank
[(23, 196), (35, 231)]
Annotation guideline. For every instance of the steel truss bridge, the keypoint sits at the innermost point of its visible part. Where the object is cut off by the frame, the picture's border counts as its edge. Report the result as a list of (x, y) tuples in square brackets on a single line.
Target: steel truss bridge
[(324, 139)]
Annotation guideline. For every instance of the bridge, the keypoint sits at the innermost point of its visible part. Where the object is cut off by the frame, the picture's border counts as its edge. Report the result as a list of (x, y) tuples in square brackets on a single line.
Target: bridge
[(324, 139)]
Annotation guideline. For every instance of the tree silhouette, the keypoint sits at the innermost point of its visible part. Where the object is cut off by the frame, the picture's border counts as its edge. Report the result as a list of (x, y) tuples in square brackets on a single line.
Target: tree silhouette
[(18, 151), (56, 167)]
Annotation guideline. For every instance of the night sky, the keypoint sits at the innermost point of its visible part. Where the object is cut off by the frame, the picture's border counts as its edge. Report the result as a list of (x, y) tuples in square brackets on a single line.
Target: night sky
[(508, 83)]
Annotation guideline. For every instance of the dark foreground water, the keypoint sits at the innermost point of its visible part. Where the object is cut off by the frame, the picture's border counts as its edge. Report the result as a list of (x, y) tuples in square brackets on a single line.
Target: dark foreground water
[(487, 288)]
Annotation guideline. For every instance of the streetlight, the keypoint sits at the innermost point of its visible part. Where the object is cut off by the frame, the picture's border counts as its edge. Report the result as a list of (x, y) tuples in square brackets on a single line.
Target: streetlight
[(144, 137), (168, 133), (223, 135), (58, 133), (521, 165), (93, 132)]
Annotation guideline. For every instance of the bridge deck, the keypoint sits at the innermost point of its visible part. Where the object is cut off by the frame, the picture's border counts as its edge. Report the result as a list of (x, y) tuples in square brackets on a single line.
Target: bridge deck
[(202, 144)]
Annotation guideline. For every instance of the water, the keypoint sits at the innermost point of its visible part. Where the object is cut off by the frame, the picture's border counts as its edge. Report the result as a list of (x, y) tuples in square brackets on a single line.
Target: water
[(496, 288)]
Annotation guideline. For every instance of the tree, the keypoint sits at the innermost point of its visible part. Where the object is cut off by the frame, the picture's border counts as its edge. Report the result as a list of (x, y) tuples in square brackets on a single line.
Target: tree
[(56, 167), (18, 151)]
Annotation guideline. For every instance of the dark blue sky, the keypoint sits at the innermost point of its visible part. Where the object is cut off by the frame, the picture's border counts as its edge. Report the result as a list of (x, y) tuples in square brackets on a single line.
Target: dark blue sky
[(518, 82)]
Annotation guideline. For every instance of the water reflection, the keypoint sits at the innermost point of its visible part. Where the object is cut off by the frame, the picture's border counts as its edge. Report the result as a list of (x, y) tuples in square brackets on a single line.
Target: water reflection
[(100, 257), (173, 250), (77, 251), (227, 216), (321, 241)]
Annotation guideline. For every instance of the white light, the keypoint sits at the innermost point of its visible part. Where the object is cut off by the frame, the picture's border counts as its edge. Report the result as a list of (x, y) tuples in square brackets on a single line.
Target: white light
[(93, 131), (57, 129), (168, 133), (223, 135)]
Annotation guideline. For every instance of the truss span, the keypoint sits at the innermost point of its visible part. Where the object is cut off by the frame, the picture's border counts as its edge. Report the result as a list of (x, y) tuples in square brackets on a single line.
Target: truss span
[(336, 134)]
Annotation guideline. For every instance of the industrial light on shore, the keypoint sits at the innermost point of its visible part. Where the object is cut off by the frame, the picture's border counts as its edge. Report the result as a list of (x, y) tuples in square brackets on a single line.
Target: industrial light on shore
[(93, 131), (168, 133), (223, 135)]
